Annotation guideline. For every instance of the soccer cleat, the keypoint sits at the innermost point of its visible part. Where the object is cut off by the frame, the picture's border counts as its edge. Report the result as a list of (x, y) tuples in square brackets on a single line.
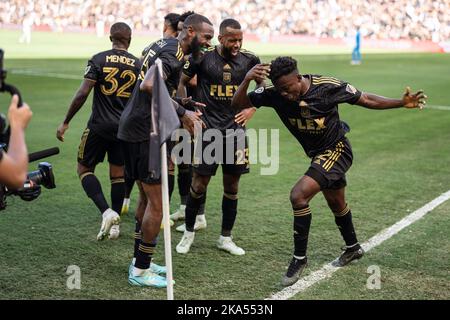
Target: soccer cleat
[(125, 206), (185, 242), (200, 223), (154, 268), (148, 279), (110, 218), (179, 214), (114, 232), (157, 269), (171, 223), (294, 271), (227, 244), (354, 253)]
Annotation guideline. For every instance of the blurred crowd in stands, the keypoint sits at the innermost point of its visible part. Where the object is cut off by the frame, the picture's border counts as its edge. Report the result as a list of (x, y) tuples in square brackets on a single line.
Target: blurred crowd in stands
[(377, 19)]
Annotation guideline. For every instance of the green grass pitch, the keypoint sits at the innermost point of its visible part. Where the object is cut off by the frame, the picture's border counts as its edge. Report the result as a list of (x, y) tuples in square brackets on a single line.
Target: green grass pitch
[(401, 162)]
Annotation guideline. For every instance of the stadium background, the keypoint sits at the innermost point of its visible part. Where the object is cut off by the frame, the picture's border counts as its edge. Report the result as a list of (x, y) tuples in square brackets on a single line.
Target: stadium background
[(401, 157)]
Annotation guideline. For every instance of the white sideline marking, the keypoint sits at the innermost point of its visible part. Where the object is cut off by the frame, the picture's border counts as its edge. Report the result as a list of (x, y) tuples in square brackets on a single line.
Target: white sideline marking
[(328, 269), (445, 108), (46, 74)]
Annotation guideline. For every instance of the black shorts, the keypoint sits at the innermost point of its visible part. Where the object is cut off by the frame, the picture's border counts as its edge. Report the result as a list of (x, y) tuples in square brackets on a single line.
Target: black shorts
[(329, 167), (136, 161), (233, 155), (93, 148)]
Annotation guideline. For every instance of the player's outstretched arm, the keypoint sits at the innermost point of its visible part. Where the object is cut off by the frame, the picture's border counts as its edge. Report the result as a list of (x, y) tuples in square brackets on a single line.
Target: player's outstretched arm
[(409, 100), (258, 73), (77, 102)]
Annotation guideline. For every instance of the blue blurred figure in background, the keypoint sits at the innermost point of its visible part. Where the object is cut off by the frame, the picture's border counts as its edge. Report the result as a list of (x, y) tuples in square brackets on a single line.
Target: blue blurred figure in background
[(356, 54)]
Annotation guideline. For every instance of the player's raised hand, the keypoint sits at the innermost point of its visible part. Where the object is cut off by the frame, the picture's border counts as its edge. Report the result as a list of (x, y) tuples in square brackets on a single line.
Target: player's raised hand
[(416, 100), (259, 72), (189, 103), (61, 130), (18, 117), (244, 116)]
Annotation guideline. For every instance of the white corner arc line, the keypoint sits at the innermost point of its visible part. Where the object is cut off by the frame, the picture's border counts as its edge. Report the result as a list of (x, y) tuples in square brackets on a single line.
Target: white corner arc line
[(328, 269)]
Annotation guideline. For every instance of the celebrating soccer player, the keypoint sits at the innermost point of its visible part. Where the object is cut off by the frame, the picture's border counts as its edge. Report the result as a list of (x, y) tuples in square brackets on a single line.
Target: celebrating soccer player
[(219, 72), (134, 129), (308, 107), (112, 74)]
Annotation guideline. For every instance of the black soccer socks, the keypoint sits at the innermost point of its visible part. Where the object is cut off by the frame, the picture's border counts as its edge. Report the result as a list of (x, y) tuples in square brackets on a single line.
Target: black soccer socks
[(144, 255), (184, 180), (93, 189), (229, 212), (194, 201), (344, 222), (302, 222), (117, 193)]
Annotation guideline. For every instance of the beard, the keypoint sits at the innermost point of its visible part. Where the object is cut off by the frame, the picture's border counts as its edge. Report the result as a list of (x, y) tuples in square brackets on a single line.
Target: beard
[(196, 49)]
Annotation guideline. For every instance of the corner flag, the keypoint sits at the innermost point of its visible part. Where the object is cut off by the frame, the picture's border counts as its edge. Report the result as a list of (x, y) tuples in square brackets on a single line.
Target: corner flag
[(164, 121)]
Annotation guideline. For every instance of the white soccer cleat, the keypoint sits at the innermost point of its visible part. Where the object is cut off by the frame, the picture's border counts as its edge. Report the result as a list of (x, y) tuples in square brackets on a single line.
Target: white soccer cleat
[(179, 214), (125, 206), (114, 232), (110, 218), (200, 223), (227, 244), (185, 242), (171, 223)]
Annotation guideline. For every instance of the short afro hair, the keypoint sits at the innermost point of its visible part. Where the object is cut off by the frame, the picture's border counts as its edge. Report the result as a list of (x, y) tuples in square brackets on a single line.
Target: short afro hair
[(184, 15), (195, 21), (229, 23), (120, 32), (172, 19), (282, 66)]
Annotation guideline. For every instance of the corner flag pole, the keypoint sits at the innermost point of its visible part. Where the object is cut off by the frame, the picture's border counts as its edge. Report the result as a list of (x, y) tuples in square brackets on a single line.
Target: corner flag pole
[(166, 212)]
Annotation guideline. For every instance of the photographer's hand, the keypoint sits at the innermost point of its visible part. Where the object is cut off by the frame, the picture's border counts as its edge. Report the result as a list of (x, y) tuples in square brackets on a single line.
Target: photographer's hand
[(18, 117), (14, 164)]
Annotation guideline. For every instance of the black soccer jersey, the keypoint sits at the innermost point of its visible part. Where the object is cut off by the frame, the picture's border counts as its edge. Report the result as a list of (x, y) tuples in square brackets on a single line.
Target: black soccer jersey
[(314, 119), (115, 73), (217, 81), (135, 121)]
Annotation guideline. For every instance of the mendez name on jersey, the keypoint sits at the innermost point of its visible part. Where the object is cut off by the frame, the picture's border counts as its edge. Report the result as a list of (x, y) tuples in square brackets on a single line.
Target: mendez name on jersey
[(115, 72)]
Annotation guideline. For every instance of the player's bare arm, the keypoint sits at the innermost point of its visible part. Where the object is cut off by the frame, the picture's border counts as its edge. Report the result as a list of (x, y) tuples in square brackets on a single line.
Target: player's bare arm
[(184, 80), (409, 100), (258, 73), (77, 102), (147, 84)]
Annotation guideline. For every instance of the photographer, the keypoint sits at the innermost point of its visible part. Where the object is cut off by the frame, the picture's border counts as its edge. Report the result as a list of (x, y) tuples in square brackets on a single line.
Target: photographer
[(14, 163)]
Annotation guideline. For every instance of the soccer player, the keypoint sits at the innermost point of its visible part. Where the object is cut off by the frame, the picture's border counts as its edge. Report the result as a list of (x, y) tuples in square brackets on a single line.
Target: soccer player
[(184, 177), (134, 129), (219, 72), (308, 107), (170, 28), (112, 74)]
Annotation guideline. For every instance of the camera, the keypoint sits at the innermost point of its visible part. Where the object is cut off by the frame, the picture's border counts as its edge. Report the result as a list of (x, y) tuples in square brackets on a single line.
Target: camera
[(31, 189)]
